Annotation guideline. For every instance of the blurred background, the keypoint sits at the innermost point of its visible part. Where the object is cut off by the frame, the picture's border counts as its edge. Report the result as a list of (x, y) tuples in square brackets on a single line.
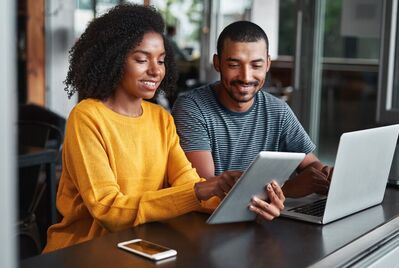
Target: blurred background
[(335, 62), (327, 56)]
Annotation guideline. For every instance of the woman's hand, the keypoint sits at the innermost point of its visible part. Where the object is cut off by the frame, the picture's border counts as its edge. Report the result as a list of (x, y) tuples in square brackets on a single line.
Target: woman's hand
[(217, 185)]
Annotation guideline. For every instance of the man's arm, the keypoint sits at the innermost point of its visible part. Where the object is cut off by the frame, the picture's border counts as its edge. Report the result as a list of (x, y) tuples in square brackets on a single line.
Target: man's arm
[(310, 159), (202, 161), (313, 177)]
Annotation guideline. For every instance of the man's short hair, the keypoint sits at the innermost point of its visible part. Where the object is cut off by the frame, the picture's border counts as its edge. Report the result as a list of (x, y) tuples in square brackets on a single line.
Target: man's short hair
[(241, 31)]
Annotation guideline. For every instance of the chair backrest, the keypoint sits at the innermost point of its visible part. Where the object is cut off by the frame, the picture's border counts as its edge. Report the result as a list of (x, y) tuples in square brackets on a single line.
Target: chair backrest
[(39, 134), (37, 127), (33, 112), (34, 134)]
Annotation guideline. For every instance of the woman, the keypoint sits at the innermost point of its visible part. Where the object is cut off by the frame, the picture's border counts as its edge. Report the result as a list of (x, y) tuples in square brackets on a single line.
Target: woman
[(122, 162)]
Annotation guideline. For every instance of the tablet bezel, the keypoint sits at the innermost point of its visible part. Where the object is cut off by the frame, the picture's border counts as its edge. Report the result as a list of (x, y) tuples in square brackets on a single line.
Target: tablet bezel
[(267, 166)]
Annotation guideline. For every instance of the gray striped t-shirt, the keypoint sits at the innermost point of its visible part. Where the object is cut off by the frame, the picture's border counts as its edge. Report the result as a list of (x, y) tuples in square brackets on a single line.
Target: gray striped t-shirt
[(234, 139)]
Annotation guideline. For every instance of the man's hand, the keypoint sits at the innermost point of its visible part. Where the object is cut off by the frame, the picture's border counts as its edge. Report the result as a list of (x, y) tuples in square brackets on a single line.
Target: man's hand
[(328, 171), (217, 185), (308, 181), (269, 210)]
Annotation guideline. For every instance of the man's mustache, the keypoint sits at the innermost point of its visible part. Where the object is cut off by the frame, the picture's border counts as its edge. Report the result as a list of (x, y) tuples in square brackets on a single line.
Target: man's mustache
[(242, 83)]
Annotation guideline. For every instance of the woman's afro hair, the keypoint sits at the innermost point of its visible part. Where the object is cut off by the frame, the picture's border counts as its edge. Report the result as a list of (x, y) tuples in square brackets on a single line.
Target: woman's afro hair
[(98, 57)]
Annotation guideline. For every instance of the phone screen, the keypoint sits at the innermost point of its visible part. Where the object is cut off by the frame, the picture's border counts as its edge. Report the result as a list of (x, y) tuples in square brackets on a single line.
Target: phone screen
[(146, 247)]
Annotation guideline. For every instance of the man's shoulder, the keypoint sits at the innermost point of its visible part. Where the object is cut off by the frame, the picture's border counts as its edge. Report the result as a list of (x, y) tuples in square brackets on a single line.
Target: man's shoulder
[(270, 101), (199, 92), (271, 98), (201, 97)]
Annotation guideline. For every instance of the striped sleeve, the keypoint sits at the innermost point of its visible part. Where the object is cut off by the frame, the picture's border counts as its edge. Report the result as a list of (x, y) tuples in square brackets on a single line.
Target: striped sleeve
[(294, 137), (191, 126)]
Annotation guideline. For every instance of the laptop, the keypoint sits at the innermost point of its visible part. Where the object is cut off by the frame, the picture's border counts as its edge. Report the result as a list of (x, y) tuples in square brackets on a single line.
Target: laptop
[(359, 179), (267, 166)]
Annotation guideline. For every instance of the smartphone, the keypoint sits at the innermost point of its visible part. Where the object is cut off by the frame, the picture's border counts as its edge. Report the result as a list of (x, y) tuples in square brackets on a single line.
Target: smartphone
[(147, 249)]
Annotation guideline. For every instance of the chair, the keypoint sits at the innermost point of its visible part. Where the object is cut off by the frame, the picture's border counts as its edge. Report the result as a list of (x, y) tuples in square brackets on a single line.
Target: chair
[(32, 186), (33, 112), (36, 113)]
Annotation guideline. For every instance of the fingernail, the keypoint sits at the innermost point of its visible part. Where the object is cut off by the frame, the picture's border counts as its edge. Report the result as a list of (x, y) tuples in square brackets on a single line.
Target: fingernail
[(255, 199), (274, 183), (269, 187)]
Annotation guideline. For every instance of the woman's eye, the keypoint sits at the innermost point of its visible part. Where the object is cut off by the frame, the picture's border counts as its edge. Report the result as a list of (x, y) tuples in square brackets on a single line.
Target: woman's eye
[(161, 62), (141, 61)]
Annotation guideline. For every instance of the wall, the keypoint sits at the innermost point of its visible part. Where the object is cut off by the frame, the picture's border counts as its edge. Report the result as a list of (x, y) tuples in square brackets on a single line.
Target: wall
[(267, 16), (59, 39), (7, 133)]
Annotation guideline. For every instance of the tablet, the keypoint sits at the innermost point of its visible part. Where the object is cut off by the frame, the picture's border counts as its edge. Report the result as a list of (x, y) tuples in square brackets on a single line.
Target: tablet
[(267, 166)]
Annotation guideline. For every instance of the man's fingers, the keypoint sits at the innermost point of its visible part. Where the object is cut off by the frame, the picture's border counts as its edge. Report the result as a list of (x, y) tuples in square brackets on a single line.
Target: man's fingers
[(320, 181), (320, 189)]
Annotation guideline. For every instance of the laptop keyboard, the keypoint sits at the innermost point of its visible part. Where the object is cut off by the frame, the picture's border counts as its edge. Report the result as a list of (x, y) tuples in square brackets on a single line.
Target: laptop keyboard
[(314, 209)]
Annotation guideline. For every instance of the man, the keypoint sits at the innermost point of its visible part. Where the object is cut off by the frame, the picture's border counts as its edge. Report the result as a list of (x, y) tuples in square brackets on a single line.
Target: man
[(223, 126)]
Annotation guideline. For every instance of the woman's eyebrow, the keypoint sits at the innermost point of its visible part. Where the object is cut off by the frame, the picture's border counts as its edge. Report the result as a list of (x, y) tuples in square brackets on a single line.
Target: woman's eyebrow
[(145, 52)]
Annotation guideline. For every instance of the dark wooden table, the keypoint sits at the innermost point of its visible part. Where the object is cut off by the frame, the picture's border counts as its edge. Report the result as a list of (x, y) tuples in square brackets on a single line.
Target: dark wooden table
[(280, 243), (32, 156)]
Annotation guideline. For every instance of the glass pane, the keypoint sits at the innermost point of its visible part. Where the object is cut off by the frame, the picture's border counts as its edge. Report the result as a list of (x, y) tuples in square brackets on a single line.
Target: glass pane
[(84, 13), (352, 29), (395, 86), (183, 20), (103, 5), (231, 11), (286, 29), (350, 71)]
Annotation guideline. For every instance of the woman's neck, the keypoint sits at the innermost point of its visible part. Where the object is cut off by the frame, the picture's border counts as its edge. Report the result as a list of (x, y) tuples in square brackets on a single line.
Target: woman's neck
[(125, 105)]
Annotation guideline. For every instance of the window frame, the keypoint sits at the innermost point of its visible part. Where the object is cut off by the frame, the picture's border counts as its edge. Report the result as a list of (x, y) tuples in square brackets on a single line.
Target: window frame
[(386, 114)]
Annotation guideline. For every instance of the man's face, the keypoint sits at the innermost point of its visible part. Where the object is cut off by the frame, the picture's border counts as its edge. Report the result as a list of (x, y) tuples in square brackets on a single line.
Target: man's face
[(243, 67)]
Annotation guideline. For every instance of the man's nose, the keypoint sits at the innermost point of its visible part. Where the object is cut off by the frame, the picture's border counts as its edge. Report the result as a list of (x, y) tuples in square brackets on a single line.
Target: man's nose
[(245, 74)]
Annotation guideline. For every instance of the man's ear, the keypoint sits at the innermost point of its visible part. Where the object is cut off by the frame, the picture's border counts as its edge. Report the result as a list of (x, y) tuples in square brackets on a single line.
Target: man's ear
[(216, 63), (269, 63)]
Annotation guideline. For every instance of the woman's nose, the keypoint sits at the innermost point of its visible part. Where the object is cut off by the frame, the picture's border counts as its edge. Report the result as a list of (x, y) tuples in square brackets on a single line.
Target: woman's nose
[(154, 69)]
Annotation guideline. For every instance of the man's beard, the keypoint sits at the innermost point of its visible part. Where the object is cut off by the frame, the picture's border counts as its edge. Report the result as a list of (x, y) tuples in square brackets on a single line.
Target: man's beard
[(241, 83)]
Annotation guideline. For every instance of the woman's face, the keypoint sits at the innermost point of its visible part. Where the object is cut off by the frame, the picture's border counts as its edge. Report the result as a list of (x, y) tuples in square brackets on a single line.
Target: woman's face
[(144, 68)]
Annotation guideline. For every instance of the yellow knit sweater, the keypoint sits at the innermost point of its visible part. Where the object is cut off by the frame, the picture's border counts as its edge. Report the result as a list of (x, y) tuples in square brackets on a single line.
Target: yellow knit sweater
[(119, 172)]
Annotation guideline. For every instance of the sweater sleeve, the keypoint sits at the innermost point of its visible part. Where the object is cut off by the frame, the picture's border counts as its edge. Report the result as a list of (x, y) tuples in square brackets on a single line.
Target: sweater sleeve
[(180, 174), (86, 160)]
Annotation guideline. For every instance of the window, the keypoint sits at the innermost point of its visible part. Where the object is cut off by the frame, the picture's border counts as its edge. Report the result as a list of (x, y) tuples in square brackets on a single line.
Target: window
[(388, 98)]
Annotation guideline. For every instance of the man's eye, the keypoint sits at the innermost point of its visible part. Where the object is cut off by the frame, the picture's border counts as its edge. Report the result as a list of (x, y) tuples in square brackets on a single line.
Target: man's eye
[(233, 65), (257, 66)]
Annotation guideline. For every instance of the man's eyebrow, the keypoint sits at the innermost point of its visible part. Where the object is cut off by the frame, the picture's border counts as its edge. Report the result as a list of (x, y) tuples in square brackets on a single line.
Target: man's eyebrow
[(258, 60), (232, 59), (252, 61)]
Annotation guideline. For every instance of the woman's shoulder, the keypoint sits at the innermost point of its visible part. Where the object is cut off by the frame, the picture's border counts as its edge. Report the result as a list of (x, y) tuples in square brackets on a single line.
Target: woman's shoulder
[(86, 107), (155, 109)]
